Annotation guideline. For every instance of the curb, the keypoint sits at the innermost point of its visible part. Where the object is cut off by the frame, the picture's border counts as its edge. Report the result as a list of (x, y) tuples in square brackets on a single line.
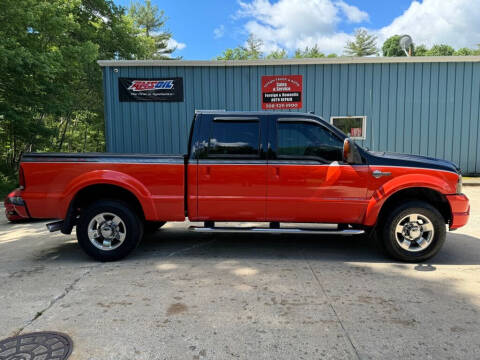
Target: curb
[(471, 181)]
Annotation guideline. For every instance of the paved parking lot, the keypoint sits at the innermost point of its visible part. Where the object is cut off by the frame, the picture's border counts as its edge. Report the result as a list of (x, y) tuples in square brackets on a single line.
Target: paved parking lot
[(198, 296)]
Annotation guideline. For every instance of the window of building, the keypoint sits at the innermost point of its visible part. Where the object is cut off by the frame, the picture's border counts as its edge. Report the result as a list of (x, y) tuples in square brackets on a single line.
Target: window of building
[(297, 140), (352, 126), (234, 138)]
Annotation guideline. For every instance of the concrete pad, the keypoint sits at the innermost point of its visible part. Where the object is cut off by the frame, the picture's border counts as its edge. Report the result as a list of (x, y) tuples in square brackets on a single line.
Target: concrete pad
[(183, 295)]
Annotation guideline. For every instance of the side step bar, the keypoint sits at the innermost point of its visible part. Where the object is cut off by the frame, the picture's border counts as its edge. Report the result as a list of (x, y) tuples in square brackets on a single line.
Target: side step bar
[(346, 232)]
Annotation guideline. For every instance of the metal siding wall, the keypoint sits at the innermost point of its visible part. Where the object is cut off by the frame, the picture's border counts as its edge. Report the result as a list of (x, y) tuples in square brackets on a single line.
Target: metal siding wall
[(421, 108)]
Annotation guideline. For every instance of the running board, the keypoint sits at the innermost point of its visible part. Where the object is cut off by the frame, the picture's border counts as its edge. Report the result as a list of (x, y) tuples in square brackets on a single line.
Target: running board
[(345, 232)]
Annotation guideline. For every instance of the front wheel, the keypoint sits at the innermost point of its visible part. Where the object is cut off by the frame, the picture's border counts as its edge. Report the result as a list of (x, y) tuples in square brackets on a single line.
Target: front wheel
[(109, 230), (413, 232)]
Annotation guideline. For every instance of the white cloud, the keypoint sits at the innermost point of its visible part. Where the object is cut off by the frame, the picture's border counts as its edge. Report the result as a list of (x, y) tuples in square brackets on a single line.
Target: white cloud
[(219, 32), (353, 14), (172, 43), (293, 24), (452, 22)]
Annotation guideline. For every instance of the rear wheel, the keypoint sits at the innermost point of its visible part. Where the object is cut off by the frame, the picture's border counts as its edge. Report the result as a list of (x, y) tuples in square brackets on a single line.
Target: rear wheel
[(109, 230), (413, 232)]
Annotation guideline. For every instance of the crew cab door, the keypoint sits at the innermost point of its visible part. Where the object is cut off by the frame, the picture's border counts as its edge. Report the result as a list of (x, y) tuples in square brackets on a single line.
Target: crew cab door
[(307, 179), (232, 171)]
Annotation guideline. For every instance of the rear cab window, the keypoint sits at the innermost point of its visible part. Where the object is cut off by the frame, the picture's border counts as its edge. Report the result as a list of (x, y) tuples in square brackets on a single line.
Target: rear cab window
[(234, 137)]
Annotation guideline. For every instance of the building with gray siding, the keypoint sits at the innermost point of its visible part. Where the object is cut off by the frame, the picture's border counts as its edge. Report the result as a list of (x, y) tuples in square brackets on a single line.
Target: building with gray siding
[(419, 105)]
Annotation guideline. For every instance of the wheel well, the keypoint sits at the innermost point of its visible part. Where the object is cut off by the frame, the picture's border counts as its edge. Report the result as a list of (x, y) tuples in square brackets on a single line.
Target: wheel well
[(434, 198), (91, 193)]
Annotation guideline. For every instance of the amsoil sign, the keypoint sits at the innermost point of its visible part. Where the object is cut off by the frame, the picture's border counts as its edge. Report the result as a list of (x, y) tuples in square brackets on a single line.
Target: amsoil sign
[(133, 89), (282, 92)]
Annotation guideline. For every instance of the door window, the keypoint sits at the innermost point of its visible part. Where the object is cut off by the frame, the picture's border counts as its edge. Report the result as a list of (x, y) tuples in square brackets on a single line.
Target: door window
[(234, 138), (307, 140)]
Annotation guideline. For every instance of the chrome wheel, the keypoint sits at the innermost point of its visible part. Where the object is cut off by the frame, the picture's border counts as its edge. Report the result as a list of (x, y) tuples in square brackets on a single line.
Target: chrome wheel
[(414, 232), (106, 231)]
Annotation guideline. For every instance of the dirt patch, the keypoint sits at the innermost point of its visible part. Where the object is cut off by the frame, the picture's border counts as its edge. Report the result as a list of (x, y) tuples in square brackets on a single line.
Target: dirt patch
[(176, 308)]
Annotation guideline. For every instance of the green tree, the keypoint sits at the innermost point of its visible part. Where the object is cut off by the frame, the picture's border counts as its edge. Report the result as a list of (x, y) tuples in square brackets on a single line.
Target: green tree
[(237, 53), (313, 52), (152, 21), (441, 50), (464, 52), (364, 44), (253, 48), (251, 51), (421, 50), (51, 96), (278, 54), (391, 47)]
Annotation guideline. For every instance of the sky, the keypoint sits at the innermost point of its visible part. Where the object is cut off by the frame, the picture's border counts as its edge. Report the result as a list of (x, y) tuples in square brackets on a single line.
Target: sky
[(202, 29)]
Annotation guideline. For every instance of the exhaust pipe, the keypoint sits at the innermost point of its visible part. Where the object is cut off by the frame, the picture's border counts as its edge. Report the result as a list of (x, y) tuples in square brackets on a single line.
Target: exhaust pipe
[(55, 226)]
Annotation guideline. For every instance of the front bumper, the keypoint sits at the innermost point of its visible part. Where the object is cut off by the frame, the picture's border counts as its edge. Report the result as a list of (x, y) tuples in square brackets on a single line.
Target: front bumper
[(460, 206), (15, 207)]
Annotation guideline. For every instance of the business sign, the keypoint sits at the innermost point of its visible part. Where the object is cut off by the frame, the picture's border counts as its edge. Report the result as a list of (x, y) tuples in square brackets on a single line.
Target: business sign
[(281, 92), (135, 89)]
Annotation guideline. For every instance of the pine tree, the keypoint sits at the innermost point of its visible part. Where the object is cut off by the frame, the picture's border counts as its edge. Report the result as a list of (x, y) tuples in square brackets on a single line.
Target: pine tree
[(152, 21), (364, 44)]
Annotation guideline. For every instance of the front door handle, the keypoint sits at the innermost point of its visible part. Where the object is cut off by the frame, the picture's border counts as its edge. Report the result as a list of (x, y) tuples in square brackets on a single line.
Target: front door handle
[(378, 174)]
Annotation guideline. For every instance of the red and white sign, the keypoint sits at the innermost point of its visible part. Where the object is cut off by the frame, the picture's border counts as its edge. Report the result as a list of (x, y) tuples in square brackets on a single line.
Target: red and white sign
[(282, 92)]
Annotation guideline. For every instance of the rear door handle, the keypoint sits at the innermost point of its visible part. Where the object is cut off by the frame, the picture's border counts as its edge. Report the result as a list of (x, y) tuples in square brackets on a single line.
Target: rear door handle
[(378, 174)]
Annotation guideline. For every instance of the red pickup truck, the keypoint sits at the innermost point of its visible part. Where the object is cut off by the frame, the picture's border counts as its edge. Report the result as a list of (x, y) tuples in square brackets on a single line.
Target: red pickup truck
[(269, 167)]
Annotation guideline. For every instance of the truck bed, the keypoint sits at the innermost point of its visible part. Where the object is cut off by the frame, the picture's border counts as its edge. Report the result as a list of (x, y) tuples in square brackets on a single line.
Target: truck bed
[(53, 179)]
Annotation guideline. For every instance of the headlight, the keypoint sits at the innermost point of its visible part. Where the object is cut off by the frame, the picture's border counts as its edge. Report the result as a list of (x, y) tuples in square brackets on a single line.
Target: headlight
[(459, 184)]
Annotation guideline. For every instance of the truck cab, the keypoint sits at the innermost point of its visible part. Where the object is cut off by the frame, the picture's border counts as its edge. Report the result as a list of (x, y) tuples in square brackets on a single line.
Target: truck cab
[(274, 167)]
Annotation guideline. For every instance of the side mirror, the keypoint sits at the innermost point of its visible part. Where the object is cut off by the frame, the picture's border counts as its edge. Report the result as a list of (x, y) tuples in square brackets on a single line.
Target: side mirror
[(350, 152)]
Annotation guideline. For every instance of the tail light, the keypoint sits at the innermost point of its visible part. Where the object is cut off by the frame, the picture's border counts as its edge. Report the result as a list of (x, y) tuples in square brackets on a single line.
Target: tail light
[(21, 178)]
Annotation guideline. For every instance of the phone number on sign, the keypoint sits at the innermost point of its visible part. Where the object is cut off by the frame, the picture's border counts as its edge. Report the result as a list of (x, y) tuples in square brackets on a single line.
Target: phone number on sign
[(281, 106)]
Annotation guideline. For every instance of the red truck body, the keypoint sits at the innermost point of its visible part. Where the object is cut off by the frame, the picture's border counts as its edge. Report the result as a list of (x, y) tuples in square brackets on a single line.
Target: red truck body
[(336, 194), (264, 187)]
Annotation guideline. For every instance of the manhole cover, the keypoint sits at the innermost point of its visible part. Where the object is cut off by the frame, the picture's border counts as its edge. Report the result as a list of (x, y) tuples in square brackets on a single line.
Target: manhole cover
[(36, 346)]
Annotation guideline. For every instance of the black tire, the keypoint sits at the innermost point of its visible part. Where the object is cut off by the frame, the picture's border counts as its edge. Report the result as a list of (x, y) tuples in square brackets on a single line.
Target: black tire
[(133, 228), (389, 234), (152, 226)]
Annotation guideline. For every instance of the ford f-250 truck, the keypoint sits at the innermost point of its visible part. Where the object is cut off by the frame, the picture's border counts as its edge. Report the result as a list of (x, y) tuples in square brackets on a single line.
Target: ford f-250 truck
[(275, 168)]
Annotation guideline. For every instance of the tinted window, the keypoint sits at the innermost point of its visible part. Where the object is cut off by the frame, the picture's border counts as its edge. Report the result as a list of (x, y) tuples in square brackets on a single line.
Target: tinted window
[(303, 140), (237, 138)]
